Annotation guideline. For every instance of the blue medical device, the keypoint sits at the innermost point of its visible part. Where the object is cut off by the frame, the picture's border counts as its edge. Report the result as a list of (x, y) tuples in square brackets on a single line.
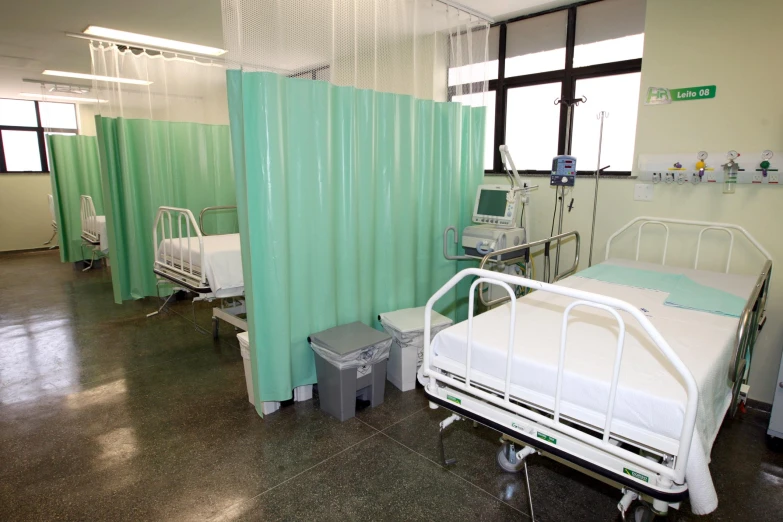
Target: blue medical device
[(563, 171)]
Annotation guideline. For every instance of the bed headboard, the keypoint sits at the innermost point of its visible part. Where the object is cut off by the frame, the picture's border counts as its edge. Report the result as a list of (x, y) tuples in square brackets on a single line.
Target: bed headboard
[(703, 226)]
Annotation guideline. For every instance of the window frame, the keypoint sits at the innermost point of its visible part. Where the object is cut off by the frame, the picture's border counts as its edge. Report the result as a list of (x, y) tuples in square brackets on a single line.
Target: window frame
[(41, 134), (567, 77)]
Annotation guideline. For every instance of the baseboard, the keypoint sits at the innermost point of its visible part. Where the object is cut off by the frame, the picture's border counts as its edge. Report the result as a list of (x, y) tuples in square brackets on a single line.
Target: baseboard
[(759, 405)]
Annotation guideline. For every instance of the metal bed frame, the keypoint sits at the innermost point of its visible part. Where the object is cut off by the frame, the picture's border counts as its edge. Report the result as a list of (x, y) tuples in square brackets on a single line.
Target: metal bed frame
[(179, 224), (91, 233), (592, 449)]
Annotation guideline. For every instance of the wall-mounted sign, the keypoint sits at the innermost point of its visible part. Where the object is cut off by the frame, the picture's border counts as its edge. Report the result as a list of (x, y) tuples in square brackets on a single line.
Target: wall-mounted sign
[(663, 95)]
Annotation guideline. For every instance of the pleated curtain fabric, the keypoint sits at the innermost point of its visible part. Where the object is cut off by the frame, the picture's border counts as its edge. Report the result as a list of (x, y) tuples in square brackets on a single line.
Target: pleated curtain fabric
[(343, 197), (75, 171), (147, 164)]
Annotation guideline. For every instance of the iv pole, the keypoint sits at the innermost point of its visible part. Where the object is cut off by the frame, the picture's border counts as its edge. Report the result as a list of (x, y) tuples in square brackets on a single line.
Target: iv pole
[(570, 104), (601, 116)]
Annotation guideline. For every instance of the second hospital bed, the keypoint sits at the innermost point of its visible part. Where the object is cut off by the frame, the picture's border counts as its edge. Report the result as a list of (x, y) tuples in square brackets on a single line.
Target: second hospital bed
[(208, 265), (93, 230), (605, 370)]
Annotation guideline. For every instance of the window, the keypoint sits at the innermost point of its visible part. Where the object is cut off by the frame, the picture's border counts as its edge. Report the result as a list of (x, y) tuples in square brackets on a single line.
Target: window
[(592, 50), (23, 125)]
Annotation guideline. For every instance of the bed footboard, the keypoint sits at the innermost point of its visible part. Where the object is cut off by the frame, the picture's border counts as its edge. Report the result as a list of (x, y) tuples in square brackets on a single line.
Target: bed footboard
[(90, 230), (178, 264)]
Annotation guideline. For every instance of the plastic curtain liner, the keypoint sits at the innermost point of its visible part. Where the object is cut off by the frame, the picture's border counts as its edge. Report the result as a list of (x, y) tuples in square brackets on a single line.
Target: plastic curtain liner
[(75, 171), (146, 164), (343, 196)]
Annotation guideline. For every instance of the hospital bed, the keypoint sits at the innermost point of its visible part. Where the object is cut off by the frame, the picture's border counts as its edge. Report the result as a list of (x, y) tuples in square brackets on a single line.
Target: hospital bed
[(208, 265), (601, 374), (93, 231)]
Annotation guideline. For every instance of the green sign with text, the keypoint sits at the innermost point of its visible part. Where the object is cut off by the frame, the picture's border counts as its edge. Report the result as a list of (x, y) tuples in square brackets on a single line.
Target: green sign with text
[(663, 95)]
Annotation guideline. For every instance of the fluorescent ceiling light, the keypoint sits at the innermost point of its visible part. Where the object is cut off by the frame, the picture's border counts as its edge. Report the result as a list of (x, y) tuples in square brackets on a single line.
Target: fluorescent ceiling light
[(152, 41), (83, 76), (46, 97)]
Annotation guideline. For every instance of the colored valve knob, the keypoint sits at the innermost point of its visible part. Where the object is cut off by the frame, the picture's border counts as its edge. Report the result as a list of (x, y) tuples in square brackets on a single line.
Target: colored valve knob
[(764, 166), (701, 166)]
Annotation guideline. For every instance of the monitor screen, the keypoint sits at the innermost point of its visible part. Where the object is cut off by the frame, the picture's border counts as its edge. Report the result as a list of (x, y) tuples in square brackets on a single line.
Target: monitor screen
[(492, 203)]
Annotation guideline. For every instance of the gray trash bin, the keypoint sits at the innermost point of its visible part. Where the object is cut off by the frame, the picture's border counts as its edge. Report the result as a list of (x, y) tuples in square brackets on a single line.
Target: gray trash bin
[(350, 361)]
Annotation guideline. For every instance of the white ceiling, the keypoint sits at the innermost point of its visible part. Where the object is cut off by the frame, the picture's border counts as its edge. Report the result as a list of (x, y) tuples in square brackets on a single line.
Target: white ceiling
[(32, 33)]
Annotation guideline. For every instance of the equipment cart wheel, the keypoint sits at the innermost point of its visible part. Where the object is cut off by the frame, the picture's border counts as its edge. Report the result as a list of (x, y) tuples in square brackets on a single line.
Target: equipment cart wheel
[(507, 458), (215, 327)]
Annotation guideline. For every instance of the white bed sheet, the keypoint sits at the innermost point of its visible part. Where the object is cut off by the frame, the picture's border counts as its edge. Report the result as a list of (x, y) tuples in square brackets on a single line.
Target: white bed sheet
[(650, 395), (104, 244), (223, 260)]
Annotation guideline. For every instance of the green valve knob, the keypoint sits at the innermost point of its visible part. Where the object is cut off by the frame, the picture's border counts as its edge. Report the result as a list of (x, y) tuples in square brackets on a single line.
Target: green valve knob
[(765, 164)]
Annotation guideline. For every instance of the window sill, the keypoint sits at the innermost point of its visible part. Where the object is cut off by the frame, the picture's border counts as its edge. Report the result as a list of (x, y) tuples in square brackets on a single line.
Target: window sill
[(546, 175)]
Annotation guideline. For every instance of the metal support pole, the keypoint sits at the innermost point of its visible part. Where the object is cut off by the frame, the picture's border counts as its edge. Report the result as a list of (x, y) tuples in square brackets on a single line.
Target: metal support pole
[(601, 116)]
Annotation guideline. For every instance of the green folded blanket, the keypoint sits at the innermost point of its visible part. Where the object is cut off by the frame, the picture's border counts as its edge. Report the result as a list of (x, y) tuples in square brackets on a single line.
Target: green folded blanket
[(683, 291)]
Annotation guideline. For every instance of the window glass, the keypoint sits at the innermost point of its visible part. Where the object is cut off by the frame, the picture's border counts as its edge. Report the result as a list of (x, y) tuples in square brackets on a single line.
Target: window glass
[(537, 44), (609, 31), (58, 115), (532, 124), (20, 113), (476, 68), (21, 151), (486, 99), (619, 96)]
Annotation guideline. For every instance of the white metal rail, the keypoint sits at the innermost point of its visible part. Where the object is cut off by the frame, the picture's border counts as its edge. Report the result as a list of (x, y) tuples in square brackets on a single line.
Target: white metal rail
[(704, 226), (173, 247), (609, 304), (90, 230)]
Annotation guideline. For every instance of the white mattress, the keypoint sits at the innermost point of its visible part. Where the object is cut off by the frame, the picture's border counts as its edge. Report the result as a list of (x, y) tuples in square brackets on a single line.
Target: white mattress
[(650, 401), (101, 222), (223, 260)]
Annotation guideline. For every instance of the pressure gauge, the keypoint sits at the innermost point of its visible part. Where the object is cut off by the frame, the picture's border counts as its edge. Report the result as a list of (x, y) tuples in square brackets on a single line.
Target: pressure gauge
[(732, 155), (702, 155), (766, 155)]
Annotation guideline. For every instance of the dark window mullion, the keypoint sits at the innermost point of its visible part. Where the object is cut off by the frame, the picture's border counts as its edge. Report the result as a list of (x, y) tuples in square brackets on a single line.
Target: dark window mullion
[(3, 167), (500, 102), (41, 140), (567, 87)]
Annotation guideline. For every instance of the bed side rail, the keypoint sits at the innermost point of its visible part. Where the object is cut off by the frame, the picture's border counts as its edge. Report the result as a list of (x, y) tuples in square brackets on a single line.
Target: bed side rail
[(177, 227), (211, 209), (90, 230), (703, 226), (587, 299), (495, 256)]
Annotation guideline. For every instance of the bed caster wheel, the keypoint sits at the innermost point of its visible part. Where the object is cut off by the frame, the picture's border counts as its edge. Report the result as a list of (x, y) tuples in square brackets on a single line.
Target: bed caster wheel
[(507, 458), (215, 328), (643, 513)]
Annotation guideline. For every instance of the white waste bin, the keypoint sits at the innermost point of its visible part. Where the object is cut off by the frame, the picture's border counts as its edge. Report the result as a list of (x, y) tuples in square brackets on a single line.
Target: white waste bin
[(406, 327), (244, 348)]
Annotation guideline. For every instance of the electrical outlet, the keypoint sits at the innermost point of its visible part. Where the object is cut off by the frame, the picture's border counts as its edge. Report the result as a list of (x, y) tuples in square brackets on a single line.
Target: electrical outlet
[(643, 192), (757, 177), (772, 177), (710, 177)]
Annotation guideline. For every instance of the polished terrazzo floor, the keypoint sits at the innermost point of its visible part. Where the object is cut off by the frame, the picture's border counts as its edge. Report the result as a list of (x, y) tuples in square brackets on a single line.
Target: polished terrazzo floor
[(108, 415)]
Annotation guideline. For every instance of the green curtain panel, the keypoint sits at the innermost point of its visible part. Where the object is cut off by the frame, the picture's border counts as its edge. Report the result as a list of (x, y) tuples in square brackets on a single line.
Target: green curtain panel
[(147, 164), (75, 171), (343, 197)]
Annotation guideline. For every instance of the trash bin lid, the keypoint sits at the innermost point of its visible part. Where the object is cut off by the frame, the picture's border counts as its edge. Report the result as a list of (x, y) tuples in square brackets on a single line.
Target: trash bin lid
[(349, 338), (412, 319)]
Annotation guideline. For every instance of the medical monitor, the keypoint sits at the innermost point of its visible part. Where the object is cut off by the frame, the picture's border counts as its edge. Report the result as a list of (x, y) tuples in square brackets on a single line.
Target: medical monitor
[(492, 206)]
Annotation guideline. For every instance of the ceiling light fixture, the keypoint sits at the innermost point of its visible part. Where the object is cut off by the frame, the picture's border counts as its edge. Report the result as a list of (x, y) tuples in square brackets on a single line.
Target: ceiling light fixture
[(76, 99), (154, 41), (84, 76)]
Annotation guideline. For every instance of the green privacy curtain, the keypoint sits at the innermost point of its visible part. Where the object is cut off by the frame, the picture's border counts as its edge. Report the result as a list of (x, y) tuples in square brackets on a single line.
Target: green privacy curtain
[(343, 195), (147, 164), (75, 171)]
